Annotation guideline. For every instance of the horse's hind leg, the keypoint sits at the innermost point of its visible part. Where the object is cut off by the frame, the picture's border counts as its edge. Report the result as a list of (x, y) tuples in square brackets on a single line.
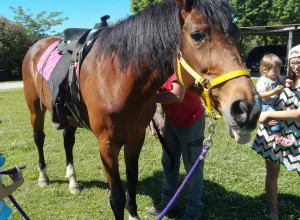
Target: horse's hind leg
[(132, 152), (37, 117), (69, 141)]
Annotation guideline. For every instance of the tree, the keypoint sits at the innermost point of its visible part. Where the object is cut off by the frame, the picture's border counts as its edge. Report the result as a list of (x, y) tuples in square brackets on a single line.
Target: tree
[(138, 5), (17, 36), (14, 42), (39, 25), (266, 12), (263, 13)]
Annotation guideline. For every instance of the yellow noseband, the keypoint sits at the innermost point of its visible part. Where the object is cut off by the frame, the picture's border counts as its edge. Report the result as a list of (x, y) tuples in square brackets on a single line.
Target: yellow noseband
[(208, 83)]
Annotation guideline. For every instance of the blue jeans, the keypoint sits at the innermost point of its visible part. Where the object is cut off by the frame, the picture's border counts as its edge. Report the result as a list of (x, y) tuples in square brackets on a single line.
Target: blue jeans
[(271, 107), (188, 142)]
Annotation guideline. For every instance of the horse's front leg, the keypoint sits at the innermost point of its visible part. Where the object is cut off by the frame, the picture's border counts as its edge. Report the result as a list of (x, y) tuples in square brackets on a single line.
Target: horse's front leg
[(69, 141), (109, 152), (132, 152)]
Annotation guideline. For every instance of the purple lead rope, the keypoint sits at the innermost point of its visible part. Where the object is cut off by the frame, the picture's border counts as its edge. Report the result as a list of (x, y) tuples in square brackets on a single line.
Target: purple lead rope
[(18, 207), (12, 171), (200, 158)]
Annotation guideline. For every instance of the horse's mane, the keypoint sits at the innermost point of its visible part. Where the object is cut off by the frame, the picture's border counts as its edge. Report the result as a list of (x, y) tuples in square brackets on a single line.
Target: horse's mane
[(218, 12), (154, 35)]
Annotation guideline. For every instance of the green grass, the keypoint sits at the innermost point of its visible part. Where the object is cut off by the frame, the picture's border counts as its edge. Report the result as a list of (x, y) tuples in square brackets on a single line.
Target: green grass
[(233, 186)]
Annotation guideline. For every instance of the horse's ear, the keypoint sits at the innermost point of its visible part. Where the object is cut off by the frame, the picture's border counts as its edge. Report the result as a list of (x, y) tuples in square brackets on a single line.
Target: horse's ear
[(185, 4), (181, 3)]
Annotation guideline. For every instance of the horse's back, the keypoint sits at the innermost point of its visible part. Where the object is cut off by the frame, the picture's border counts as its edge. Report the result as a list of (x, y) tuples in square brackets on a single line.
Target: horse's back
[(33, 55), (31, 79)]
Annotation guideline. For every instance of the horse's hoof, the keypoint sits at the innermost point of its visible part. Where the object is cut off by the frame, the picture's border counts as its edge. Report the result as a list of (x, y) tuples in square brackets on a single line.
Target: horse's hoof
[(74, 186), (43, 183), (74, 190), (134, 217), (43, 178)]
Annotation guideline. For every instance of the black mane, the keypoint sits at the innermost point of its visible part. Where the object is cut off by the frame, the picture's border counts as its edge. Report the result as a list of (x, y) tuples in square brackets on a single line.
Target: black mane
[(218, 12), (153, 35)]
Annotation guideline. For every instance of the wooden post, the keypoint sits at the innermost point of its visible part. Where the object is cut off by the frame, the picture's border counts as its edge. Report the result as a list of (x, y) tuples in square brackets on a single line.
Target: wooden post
[(290, 41), (265, 40), (289, 47), (240, 46)]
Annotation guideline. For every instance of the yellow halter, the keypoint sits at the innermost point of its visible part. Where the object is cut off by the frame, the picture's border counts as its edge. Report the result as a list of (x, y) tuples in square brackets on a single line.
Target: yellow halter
[(209, 83)]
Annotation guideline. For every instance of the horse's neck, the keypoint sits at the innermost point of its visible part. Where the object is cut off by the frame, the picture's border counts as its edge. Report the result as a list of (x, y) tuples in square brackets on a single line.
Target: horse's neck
[(148, 85)]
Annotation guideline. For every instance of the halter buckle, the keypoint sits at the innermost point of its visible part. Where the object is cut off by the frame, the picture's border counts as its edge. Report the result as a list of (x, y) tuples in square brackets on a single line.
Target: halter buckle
[(179, 57), (206, 85), (196, 84)]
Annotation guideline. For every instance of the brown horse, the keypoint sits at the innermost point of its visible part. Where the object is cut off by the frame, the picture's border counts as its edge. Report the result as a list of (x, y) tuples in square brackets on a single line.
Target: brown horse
[(126, 66)]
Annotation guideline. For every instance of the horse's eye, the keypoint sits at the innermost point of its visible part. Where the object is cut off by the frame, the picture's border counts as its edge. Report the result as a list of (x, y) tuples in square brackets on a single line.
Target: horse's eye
[(198, 36)]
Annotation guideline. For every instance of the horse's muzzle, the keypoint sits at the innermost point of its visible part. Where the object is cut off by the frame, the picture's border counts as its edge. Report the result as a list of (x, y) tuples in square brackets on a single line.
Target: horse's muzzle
[(246, 114)]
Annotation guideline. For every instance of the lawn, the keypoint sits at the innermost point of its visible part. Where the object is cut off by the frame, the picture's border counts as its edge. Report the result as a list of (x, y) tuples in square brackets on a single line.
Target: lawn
[(233, 186)]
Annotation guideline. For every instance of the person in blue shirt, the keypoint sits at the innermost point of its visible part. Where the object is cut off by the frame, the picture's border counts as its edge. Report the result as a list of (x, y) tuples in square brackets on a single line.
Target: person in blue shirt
[(5, 191)]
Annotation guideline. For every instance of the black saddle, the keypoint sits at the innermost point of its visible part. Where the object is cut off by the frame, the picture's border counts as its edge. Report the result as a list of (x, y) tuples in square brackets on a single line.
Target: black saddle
[(74, 45), (71, 36)]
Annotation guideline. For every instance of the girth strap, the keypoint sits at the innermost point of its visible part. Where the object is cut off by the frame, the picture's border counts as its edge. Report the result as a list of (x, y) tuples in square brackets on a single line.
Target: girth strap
[(82, 47)]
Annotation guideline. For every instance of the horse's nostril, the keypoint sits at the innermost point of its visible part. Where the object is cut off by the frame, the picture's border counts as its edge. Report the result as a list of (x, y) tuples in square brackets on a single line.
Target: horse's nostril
[(239, 110)]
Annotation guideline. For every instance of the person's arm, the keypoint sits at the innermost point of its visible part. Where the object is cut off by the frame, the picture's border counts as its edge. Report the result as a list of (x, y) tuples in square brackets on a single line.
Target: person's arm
[(267, 94), (175, 95), (18, 180), (288, 115)]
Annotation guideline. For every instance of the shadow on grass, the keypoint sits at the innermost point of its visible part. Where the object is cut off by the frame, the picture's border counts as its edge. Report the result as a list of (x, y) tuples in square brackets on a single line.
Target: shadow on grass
[(219, 202), (93, 183), (223, 204), (85, 184)]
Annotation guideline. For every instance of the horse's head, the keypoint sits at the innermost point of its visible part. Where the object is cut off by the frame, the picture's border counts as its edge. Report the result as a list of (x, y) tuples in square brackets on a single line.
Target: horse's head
[(208, 51)]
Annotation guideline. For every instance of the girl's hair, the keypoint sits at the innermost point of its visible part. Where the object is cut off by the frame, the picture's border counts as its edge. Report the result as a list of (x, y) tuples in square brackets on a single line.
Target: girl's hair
[(294, 53), (291, 75), (269, 61)]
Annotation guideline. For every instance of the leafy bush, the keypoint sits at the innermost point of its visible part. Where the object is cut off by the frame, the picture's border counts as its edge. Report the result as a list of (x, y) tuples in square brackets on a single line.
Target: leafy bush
[(14, 43)]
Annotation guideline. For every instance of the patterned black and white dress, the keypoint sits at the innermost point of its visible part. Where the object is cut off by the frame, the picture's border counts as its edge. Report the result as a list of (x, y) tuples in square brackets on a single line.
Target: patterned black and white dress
[(264, 143)]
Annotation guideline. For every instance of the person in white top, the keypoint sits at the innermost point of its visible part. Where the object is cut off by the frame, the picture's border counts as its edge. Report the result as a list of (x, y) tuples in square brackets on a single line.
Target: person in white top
[(288, 157), (269, 86)]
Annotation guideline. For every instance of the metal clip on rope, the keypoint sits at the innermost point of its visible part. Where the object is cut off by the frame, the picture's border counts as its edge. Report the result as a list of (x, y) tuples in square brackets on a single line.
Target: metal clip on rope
[(211, 130)]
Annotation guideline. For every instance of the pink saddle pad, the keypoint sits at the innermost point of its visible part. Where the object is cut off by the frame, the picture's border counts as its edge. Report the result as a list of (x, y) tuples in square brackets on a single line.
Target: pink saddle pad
[(48, 61)]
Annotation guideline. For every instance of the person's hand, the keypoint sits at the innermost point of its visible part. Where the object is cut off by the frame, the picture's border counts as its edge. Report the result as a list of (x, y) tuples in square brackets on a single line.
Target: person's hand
[(264, 119), (17, 177), (278, 89), (289, 83), (272, 122)]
